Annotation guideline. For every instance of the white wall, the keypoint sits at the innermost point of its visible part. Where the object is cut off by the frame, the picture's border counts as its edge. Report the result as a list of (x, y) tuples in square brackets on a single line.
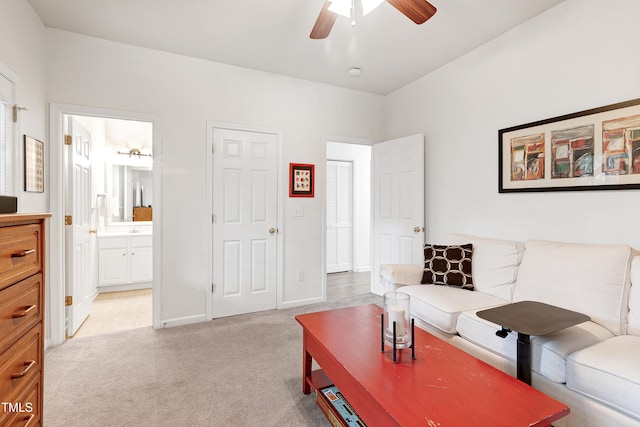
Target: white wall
[(23, 52), (185, 93), (360, 155), (579, 55)]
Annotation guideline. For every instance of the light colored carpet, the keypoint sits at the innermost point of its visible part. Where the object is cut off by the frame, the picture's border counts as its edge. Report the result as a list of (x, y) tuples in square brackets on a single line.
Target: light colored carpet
[(236, 371)]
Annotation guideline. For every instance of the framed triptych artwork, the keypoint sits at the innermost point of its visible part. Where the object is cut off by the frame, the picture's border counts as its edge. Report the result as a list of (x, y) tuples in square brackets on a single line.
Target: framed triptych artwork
[(597, 149)]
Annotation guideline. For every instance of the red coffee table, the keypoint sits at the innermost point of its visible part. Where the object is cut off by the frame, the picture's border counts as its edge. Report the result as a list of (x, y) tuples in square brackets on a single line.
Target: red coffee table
[(444, 386)]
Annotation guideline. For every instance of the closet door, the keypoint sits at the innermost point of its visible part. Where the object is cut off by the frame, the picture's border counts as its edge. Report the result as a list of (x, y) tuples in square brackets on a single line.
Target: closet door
[(339, 216)]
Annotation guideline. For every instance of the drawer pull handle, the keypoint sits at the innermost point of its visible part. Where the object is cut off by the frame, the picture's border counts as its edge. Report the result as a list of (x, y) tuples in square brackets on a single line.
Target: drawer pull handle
[(23, 253), (27, 367), (27, 420), (24, 311)]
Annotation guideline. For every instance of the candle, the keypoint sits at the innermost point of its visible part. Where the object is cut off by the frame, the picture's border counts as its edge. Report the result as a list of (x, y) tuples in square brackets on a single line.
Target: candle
[(396, 314)]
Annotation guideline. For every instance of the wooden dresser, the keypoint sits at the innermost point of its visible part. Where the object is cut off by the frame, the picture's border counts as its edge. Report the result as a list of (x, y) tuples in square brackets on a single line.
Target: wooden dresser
[(22, 250)]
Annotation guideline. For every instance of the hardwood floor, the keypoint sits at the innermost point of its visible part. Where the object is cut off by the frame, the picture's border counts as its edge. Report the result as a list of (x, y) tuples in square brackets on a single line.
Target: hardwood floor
[(347, 284)]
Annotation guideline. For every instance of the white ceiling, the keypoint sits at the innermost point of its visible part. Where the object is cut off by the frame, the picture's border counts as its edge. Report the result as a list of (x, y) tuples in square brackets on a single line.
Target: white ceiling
[(273, 35)]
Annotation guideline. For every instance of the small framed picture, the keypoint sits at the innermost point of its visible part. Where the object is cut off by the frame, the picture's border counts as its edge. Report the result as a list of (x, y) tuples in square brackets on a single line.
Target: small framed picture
[(301, 180), (33, 165)]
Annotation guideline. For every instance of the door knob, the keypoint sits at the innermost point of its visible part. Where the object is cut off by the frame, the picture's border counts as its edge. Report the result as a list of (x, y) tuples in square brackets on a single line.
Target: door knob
[(417, 229), (272, 230), (93, 231)]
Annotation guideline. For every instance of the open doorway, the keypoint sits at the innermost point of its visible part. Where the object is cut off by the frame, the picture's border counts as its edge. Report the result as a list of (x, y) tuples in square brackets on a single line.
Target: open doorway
[(348, 219), (105, 191), (110, 192)]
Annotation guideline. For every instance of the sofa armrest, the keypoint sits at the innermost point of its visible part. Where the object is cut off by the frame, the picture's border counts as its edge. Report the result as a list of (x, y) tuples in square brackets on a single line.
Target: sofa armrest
[(392, 276)]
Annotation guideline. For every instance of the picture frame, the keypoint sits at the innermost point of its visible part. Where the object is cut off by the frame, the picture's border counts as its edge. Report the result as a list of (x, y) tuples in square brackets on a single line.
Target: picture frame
[(595, 149), (33, 165), (301, 180)]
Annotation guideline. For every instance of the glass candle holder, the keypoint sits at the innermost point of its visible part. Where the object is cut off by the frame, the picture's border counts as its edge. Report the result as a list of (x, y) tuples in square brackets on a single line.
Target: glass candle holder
[(396, 310)]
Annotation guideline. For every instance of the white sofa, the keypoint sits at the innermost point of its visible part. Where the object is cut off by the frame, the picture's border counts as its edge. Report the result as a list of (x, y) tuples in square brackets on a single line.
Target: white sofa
[(593, 367)]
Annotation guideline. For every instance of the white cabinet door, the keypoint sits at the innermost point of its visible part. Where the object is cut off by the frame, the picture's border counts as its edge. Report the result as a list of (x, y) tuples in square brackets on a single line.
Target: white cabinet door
[(113, 266), (141, 265), (124, 260)]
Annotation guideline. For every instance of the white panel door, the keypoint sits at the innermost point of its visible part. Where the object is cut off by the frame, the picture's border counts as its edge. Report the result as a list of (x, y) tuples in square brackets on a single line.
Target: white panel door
[(339, 216), (79, 264), (245, 221), (398, 200)]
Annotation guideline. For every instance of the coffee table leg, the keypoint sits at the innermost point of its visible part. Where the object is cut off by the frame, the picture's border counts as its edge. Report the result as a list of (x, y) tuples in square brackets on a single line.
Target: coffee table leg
[(306, 366), (524, 358)]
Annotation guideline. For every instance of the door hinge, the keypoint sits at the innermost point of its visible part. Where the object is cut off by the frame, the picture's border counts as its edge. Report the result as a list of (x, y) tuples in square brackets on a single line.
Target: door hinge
[(68, 220), (68, 140), (68, 301)]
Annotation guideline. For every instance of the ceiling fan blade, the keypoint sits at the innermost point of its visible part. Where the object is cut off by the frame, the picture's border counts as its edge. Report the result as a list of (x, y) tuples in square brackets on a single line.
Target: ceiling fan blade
[(419, 11), (324, 23)]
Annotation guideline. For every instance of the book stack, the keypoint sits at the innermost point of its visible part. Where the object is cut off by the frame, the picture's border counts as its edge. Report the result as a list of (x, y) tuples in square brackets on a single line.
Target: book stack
[(336, 408)]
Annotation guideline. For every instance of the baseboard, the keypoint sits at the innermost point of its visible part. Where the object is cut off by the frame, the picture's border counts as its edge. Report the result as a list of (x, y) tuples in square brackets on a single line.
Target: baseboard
[(300, 302), (181, 321), (125, 287)]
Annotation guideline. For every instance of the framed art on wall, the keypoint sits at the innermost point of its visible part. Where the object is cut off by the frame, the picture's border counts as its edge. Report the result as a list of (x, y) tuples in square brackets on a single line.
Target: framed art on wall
[(33, 165), (597, 149), (301, 180)]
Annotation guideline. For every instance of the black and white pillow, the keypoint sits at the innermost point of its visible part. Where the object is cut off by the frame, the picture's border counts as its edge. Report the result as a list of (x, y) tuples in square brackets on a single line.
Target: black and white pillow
[(448, 265)]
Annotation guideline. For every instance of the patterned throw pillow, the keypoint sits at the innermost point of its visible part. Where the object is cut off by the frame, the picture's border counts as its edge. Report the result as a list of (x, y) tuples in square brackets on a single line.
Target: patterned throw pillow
[(448, 265)]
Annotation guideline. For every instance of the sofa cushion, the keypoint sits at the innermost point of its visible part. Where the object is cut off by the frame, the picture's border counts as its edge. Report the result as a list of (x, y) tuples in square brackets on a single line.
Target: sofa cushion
[(590, 279), (448, 265), (608, 372), (634, 298), (495, 263), (548, 353), (483, 333), (440, 306)]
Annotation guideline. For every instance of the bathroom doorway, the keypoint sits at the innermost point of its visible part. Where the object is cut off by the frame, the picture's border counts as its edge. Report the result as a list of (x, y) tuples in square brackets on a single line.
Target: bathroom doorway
[(110, 288), (114, 292)]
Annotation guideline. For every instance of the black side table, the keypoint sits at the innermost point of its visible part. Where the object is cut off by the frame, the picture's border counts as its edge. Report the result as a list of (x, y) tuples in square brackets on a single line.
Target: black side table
[(530, 318)]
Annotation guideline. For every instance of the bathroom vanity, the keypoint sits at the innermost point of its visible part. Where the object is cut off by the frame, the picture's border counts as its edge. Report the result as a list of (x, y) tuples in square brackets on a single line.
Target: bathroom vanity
[(125, 261)]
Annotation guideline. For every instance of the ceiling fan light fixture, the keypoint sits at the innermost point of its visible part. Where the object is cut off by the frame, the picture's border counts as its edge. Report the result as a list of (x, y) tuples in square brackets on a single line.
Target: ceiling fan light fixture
[(369, 5), (341, 7), (354, 71)]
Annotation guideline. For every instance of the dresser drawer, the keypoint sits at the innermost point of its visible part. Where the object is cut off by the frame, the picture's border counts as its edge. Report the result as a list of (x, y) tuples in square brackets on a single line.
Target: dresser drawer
[(21, 307), (21, 364), (20, 253), (26, 410)]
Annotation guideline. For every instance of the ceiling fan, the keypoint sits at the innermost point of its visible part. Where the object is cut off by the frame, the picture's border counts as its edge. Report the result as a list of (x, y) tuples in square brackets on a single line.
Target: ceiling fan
[(419, 11)]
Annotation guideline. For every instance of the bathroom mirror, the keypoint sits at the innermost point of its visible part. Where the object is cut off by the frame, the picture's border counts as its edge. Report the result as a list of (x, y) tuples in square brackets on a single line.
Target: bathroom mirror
[(129, 194)]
